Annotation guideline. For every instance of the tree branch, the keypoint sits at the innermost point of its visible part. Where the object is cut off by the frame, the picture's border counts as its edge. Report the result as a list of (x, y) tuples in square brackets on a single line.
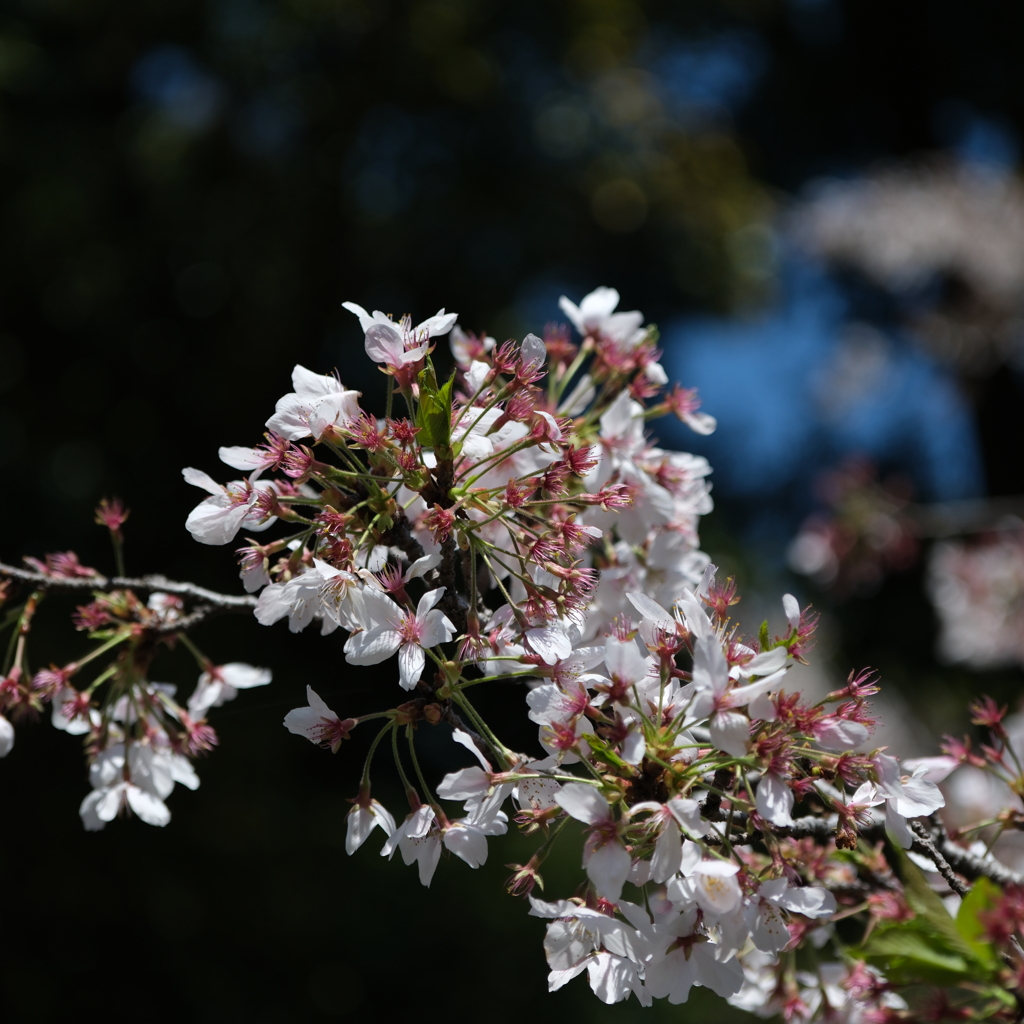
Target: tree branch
[(927, 846), (401, 536), (949, 859), (973, 867), (210, 602)]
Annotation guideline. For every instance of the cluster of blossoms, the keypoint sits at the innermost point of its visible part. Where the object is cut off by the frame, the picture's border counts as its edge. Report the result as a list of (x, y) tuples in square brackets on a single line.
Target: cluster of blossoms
[(978, 593), (517, 525), (906, 226), (139, 739), (865, 533)]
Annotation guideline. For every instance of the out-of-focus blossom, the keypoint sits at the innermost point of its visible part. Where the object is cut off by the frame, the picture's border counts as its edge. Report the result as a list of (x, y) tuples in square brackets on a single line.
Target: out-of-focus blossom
[(864, 535), (977, 590)]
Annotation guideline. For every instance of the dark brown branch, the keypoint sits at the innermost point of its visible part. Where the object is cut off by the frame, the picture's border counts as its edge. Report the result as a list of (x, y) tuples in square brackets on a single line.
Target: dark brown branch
[(973, 867), (713, 804), (401, 536), (948, 858), (924, 843)]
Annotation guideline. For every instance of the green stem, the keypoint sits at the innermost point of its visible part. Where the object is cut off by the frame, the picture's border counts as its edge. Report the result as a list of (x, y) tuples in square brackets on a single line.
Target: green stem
[(118, 542), (431, 799), (410, 789), (365, 783), (102, 649), (501, 752), (201, 659)]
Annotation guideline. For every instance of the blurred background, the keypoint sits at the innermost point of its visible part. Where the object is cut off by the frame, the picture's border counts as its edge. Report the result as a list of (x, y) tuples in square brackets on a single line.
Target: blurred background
[(818, 203)]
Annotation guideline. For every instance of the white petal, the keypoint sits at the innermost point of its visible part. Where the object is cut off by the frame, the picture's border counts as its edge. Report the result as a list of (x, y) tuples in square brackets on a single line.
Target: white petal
[(765, 663), (242, 676), (6, 736), (611, 977), (896, 827), (809, 900), (305, 722), (687, 812), (467, 784), (462, 737), (373, 646), (411, 660), (633, 747), (919, 797), (770, 933), (418, 823), (607, 867), (88, 811), (428, 855), (383, 344), (533, 350), (551, 642), (313, 385), (149, 808), (701, 423), (241, 458), (572, 311), (791, 606), (729, 732), (717, 892), (668, 853), (710, 670), (438, 324), (422, 565), (436, 628), (931, 769), (198, 478), (467, 843), (774, 800), (651, 610), (839, 734), (365, 320), (215, 523), (291, 417), (583, 802)]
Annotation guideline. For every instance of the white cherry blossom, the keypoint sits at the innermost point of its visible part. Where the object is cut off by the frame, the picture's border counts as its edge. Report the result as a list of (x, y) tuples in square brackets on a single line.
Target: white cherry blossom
[(395, 629)]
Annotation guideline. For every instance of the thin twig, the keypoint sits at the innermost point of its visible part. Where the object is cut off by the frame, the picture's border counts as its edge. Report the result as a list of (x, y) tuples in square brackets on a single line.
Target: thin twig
[(146, 584), (927, 846)]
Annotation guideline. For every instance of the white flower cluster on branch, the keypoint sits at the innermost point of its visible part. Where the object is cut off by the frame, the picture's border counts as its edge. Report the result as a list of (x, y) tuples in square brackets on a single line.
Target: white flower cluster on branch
[(517, 524)]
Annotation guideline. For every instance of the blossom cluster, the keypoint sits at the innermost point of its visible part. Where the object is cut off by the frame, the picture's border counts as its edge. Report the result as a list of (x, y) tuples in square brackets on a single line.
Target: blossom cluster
[(516, 524), (519, 524), (865, 534), (978, 593)]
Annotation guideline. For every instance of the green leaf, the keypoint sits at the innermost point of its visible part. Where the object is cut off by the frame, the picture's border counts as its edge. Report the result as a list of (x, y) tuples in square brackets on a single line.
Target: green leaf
[(604, 751), (930, 948), (911, 952), (984, 896), (434, 415), (925, 902)]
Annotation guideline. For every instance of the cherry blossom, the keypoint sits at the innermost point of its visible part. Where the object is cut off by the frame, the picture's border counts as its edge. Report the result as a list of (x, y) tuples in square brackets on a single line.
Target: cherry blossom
[(391, 628), (318, 723)]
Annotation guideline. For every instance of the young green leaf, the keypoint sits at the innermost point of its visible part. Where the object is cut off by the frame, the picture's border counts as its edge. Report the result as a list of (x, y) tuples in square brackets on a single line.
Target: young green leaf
[(984, 895)]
